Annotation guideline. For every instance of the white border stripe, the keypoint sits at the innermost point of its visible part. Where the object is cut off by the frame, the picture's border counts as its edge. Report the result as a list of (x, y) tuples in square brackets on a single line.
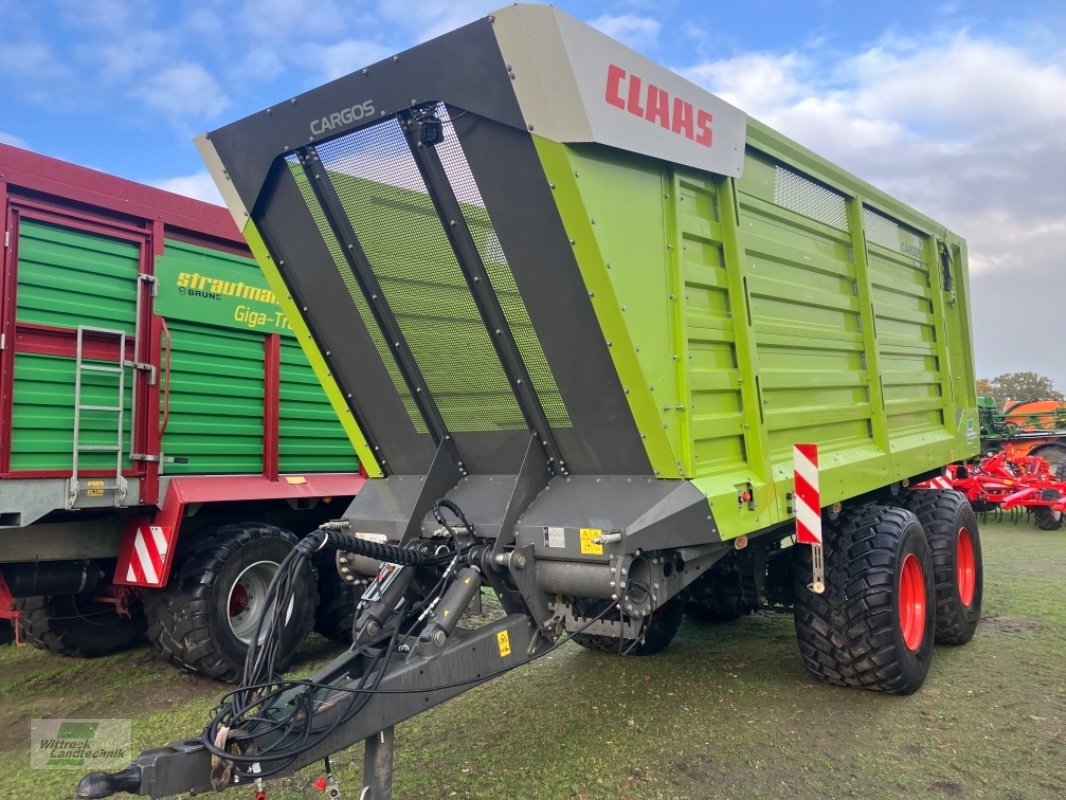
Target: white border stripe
[(160, 541), (810, 519), (144, 559), (805, 468)]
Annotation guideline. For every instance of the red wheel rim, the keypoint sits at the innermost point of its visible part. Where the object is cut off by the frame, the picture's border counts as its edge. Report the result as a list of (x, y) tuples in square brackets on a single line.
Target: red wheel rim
[(965, 567), (238, 600), (912, 603)]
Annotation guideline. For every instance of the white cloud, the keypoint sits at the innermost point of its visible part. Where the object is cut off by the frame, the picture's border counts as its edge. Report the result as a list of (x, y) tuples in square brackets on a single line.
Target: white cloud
[(957, 85), (636, 31), (286, 19), (127, 56), (105, 15), (759, 83), (334, 60), (198, 185), (258, 65), (433, 19), (184, 92), (12, 139), (29, 60)]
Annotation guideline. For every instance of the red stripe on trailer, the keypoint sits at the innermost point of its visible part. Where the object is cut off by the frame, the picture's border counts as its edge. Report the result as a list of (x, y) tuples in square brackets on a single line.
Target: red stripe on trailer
[(939, 483), (807, 494), (148, 556), (183, 491)]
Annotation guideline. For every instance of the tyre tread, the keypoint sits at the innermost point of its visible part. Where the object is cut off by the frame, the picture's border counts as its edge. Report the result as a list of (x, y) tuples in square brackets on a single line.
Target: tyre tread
[(845, 634), (179, 615)]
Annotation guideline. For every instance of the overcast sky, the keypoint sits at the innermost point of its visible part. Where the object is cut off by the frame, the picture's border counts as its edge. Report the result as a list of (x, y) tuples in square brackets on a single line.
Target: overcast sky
[(955, 107)]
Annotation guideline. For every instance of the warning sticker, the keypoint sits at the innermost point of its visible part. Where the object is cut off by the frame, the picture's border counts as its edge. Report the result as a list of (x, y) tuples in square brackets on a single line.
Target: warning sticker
[(555, 537), (504, 641), (95, 488), (589, 545)]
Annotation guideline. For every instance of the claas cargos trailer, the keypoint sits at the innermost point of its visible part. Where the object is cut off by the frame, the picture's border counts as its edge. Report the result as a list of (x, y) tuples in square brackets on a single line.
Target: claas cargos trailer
[(613, 349), (161, 430)]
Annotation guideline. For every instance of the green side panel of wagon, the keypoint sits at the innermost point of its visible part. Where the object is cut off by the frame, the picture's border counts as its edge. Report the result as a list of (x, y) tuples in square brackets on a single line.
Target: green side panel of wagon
[(219, 308), (311, 438), (795, 304), (67, 278)]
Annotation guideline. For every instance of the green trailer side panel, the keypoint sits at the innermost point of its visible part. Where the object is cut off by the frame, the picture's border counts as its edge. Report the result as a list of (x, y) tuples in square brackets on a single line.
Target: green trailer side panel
[(216, 400), (800, 279), (594, 239), (311, 436), (628, 192), (219, 306), (312, 353), (42, 435), (68, 278), (774, 310)]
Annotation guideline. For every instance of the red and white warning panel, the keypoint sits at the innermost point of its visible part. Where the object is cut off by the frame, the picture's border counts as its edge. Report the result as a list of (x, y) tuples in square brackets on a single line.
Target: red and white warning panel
[(808, 495), (144, 559), (940, 483)]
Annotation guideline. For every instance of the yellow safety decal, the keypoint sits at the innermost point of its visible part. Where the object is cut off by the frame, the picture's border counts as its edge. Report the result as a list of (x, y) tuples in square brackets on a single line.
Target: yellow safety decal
[(589, 545), (296, 480), (504, 641), (93, 491)]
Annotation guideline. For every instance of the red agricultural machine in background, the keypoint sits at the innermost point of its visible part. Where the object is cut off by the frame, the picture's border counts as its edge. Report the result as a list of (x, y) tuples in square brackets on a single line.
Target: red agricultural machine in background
[(1011, 482)]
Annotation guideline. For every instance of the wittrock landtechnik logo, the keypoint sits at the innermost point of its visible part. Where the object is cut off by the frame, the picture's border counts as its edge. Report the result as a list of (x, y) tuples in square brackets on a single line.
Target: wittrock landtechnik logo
[(89, 744)]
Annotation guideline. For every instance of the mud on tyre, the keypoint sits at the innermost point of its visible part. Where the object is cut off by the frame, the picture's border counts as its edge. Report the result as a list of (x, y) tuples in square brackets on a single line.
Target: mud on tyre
[(658, 633), (79, 625), (204, 618)]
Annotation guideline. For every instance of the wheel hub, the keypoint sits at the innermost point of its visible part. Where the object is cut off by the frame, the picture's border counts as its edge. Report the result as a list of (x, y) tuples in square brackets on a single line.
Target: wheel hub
[(912, 603), (247, 598), (965, 567)]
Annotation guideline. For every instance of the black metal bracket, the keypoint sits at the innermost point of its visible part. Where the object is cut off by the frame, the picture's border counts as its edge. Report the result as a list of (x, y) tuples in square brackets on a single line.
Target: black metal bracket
[(326, 194), (443, 474), (410, 687), (477, 280)]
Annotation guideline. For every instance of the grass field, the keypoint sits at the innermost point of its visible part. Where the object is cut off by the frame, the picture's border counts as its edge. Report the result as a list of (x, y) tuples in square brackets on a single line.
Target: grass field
[(727, 712)]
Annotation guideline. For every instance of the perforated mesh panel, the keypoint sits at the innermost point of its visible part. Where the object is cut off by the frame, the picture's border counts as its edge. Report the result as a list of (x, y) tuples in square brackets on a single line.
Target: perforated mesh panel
[(356, 293), (389, 207), (889, 233), (455, 165), (796, 193)]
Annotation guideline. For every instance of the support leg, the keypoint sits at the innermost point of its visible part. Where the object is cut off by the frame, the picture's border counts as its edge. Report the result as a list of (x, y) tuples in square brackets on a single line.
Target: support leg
[(377, 766)]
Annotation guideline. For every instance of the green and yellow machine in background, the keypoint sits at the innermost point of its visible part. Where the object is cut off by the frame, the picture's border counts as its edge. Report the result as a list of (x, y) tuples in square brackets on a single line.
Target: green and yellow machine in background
[(580, 312)]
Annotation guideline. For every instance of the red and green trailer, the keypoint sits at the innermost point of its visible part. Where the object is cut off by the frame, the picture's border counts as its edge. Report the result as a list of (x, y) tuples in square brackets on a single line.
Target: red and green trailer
[(161, 430)]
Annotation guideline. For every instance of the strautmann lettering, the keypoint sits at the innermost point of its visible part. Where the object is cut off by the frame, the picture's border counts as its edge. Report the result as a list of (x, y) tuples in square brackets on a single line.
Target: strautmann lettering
[(206, 287)]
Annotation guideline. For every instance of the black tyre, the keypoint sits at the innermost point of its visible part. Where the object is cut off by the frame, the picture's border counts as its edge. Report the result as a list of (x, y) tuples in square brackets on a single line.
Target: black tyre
[(79, 625), (715, 610), (958, 569), (337, 600), (7, 632), (718, 596), (658, 633), (1054, 455), (203, 620), (1048, 519), (873, 626)]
